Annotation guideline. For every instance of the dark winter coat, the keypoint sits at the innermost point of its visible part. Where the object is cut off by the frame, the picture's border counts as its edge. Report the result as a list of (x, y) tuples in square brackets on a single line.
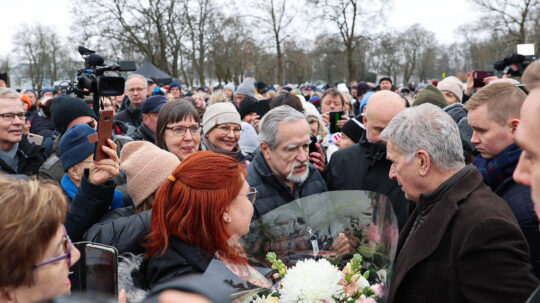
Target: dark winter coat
[(43, 127), (364, 166), (272, 192), (130, 115), (29, 159), (462, 244), (123, 229), (142, 133), (89, 205)]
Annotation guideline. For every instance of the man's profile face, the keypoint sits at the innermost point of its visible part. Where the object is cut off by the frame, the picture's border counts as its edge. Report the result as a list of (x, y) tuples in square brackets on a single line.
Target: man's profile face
[(528, 138), (32, 97), (386, 85), (136, 91), (10, 131), (489, 137), (403, 172), (289, 160)]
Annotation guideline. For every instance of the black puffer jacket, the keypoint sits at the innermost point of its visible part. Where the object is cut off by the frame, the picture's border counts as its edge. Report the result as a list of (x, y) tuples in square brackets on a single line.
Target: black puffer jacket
[(123, 229), (30, 157), (272, 192), (89, 205), (363, 166), (130, 115), (142, 133), (43, 127)]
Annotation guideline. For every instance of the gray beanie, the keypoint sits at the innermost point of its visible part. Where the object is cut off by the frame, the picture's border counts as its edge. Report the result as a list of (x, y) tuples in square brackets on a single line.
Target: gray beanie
[(230, 86), (453, 85), (247, 88), (220, 113)]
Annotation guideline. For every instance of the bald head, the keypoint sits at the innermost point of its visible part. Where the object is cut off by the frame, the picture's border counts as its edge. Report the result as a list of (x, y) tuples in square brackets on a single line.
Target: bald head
[(380, 110)]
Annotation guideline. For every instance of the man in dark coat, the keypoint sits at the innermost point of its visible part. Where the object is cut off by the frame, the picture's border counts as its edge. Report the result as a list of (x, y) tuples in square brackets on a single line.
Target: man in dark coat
[(280, 171), (494, 114), (17, 155), (462, 243), (150, 111), (136, 90), (363, 166)]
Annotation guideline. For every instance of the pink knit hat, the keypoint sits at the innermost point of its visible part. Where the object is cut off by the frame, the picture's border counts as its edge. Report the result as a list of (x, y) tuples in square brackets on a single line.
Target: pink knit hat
[(146, 167)]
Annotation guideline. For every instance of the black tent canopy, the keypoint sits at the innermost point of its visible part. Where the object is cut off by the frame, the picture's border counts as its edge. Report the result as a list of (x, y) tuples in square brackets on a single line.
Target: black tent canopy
[(149, 70)]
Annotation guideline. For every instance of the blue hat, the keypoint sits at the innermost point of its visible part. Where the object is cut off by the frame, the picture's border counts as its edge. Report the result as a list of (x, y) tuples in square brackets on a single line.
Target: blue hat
[(174, 84), (153, 104), (47, 90), (420, 86), (74, 145), (365, 100)]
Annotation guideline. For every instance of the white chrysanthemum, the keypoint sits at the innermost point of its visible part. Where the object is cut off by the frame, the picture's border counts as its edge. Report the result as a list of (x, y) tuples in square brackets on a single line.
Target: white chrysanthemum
[(311, 281)]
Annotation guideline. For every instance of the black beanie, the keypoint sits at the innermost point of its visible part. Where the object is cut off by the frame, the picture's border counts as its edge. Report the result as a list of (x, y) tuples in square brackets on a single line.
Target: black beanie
[(247, 106), (385, 78), (432, 95), (353, 129), (65, 109)]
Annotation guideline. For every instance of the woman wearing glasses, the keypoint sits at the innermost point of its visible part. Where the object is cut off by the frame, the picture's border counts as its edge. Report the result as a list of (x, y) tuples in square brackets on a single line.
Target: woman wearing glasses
[(221, 131), (178, 129), (35, 251), (204, 206)]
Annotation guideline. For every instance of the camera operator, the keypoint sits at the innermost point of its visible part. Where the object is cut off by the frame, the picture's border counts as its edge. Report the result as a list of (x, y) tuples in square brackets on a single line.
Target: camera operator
[(136, 90)]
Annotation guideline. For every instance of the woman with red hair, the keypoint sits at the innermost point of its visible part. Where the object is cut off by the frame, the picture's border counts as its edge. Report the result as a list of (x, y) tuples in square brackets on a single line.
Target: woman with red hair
[(198, 213)]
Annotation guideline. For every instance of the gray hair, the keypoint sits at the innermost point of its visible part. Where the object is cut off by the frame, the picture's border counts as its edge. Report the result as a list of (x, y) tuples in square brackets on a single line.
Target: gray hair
[(9, 93), (268, 127), (138, 76), (426, 127)]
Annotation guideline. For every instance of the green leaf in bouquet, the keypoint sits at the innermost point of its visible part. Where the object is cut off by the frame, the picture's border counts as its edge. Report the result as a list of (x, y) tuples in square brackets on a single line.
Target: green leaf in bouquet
[(366, 275), (367, 252), (277, 264)]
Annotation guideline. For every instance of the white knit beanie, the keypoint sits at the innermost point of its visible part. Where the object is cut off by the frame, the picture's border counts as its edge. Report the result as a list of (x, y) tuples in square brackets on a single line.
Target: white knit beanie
[(453, 85), (146, 167), (220, 113)]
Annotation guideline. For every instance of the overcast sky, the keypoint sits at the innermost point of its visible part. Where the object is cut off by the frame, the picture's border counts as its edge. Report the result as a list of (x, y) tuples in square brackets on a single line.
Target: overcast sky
[(439, 16)]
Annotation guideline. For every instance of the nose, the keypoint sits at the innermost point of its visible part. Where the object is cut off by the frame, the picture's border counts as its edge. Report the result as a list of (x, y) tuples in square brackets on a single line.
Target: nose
[(474, 138), (188, 136), (522, 174), (392, 174), (75, 254), (302, 156)]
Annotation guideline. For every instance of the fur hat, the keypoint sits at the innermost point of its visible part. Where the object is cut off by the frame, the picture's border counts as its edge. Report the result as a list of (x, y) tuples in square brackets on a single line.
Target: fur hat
[(246, 88), (74, 145), (432, 95), (220, 113), (65, 109), (453, 85), (146, 167)]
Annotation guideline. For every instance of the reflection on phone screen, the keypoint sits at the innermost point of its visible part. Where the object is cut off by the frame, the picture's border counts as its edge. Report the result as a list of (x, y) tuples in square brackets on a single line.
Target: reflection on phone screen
[(100, 270)]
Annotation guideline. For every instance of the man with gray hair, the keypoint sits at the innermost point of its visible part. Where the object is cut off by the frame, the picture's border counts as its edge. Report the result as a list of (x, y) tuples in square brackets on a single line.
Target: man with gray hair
[(280, 171), (17, 155), (136, 90), (462, 243)]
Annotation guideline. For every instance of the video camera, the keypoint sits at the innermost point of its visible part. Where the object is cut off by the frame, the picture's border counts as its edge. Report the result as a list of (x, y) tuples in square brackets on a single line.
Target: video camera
[(514, 64), (91, 78)]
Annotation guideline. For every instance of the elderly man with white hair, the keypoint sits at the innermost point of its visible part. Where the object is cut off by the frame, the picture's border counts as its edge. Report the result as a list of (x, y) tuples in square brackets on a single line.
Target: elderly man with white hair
[(462, 243)]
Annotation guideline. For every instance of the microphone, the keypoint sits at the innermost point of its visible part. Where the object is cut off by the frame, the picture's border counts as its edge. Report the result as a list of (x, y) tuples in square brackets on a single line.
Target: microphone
[(94, 60)]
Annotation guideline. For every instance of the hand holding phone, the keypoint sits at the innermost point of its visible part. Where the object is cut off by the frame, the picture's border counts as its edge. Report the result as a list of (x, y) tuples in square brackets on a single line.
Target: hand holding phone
[(333, 118), (479, 77), (104, 133)]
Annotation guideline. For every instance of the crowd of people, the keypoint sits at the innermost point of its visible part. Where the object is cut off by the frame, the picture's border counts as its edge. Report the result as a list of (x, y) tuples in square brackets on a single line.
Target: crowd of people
[(187, 171)]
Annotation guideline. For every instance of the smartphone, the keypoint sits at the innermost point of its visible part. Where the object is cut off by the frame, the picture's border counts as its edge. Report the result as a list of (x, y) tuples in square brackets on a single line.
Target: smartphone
[(334, 118), (313, 145), (97, 270), (35, 139), (479, 77), (104, 133)]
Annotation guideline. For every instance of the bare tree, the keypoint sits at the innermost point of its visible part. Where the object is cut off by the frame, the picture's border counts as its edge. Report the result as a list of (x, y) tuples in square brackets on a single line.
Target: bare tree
[(414, 40), (347, 16), (510, 18), (387, 55)]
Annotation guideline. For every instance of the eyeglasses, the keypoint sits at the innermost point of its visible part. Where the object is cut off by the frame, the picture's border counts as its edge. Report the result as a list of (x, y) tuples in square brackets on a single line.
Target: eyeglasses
[(225, 130), (11, 117), (181, 130), (67, 255), (251, 195)]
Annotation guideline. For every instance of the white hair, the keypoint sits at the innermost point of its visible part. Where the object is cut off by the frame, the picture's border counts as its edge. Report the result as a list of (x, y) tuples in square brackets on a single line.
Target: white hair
[(426, 127), (268, 127), (138, 76), (9, 93)]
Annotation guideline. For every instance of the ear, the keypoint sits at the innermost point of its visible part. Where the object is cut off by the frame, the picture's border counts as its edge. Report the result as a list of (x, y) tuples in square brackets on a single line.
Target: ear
[(423, 161), (145, 118), (226, 217), (75, 172), (364, 120), (513, 126), (265, 151), (6, 294)]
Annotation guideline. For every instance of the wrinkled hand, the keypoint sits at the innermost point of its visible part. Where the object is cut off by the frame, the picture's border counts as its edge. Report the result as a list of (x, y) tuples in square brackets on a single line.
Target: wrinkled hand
[(106, 169), (326, 118), (318, 159), (343, 245), (470, 84)]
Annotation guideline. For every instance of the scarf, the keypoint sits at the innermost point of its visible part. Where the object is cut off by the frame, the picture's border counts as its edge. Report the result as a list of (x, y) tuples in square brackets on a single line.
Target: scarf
[(496, 170), (71, 190), (235, 153)]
